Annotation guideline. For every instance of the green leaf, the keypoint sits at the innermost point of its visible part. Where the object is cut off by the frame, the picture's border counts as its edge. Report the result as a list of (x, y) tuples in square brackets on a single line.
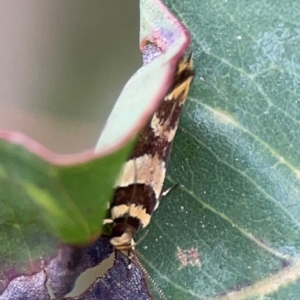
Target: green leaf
[(43, 202), (232, 228), (68, 199)]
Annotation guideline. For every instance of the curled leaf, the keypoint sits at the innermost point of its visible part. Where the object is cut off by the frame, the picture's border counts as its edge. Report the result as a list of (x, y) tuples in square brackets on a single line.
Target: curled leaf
[(52, 206)]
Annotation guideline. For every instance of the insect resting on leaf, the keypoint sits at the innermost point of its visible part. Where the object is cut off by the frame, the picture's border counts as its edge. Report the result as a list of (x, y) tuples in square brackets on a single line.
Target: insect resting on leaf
[(138, 190)]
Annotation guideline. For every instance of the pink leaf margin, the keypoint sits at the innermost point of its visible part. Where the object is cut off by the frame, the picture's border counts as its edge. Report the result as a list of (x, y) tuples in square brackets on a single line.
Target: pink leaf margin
[(139, 98)]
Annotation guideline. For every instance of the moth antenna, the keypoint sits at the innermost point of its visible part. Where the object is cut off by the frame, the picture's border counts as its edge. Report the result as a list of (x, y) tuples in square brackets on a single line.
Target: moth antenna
[(139, 241), (130, 250), (160, 292)]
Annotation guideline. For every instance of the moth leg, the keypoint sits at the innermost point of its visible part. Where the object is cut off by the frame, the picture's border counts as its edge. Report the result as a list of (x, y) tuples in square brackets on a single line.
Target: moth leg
[(130, 254), (132, 244), (165, 193), (107, 221)]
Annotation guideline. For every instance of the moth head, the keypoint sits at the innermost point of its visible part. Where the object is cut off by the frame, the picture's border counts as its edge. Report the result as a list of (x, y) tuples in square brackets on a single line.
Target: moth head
[(122, 236)]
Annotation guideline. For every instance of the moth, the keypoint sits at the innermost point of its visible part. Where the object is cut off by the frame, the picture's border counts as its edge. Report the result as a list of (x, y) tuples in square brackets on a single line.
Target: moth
[(138, 190)]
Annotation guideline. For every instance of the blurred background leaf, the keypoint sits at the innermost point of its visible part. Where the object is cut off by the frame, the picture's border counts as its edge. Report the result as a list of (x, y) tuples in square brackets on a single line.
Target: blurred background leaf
[(63, 65)]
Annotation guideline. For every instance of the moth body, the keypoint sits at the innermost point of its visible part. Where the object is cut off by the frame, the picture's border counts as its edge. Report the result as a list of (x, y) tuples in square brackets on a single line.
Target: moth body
[(139, 186)]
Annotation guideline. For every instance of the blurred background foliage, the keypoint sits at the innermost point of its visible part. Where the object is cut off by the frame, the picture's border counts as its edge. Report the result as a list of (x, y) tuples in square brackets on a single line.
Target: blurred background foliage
[(63, 64)]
